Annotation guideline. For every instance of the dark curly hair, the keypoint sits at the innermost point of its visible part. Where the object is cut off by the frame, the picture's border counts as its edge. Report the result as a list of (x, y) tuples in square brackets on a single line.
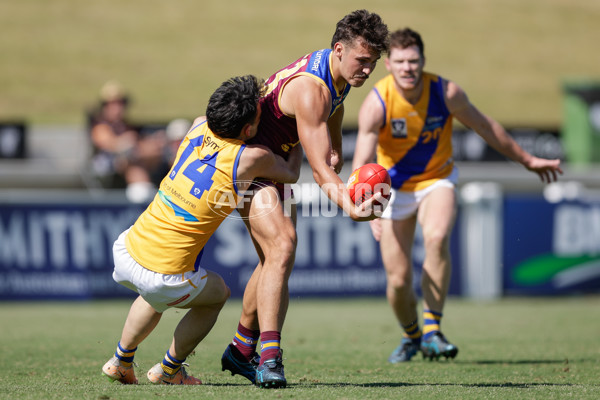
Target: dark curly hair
[(364, 24), (233, 105), (403, 38)]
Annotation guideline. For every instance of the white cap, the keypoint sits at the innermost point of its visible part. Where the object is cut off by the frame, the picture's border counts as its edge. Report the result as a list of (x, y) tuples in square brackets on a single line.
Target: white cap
[(178, 128)]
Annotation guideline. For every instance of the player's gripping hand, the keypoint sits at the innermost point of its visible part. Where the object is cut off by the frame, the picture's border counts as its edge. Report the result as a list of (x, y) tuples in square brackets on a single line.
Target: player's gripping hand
[(370, 209)]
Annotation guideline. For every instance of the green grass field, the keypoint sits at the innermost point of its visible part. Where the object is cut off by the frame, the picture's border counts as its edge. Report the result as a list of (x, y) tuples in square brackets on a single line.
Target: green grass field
[(516, 348), (511, 56)]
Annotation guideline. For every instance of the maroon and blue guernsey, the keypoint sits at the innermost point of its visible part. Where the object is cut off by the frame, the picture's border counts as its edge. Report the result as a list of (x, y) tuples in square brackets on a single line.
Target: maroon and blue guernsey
[(277, 130)]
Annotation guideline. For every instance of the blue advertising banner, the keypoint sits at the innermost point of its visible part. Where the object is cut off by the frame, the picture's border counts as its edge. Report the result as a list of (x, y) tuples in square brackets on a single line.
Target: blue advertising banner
[(335, 257), (60, 251), (64, 251), (551, 248)]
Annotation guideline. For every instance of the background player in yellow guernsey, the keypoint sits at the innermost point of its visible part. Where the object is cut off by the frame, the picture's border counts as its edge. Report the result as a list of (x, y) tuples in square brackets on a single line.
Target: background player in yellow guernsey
[(407, 120), (160, 255)]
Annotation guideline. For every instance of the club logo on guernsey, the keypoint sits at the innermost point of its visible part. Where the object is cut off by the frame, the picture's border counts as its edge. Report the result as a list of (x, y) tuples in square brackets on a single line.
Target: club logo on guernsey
[(399, 128), (339, 100)]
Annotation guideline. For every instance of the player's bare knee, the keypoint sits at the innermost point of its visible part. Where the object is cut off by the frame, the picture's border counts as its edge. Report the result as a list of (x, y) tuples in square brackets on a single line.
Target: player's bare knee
[(226, 295), (283, 248), (222, 293), (436, 241), (287, 245), (399, 282)]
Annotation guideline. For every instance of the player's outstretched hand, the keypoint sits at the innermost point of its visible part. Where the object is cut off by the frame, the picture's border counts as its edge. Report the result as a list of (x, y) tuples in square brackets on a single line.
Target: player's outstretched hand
[(548, 170)]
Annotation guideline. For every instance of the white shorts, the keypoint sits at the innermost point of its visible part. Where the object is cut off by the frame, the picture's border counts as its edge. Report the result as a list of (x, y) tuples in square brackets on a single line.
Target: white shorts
[(404, 204), (159, 290)]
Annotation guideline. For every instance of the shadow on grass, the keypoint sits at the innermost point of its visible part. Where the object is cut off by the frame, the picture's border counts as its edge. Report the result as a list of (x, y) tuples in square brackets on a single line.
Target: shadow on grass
[(309, 385), (522, 362)]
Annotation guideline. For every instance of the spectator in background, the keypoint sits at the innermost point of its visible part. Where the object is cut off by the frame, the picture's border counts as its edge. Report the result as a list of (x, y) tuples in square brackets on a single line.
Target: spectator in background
[(122, 158), (155, 153), (113, 138), (175, 132)]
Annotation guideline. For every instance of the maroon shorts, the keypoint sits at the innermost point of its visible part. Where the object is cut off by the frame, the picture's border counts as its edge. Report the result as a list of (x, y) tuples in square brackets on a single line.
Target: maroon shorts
[(284, 193)]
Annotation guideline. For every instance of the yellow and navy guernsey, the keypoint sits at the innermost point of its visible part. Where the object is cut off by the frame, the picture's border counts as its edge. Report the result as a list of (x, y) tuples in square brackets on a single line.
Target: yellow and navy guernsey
[(415, 141), (193, 199)]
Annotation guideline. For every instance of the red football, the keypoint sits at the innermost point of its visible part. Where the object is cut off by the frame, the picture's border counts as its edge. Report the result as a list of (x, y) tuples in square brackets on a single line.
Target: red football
[(369, 179)]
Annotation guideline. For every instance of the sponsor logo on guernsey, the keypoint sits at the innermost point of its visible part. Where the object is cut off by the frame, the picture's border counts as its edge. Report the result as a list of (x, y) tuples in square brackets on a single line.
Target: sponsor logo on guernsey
[(288, 146), (316, 61), (434, 120), (208, 142), (448, 162)]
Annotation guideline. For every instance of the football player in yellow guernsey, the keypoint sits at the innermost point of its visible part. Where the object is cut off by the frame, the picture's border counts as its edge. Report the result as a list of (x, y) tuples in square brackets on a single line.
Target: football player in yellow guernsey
[(406, 120), (159, 257)]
